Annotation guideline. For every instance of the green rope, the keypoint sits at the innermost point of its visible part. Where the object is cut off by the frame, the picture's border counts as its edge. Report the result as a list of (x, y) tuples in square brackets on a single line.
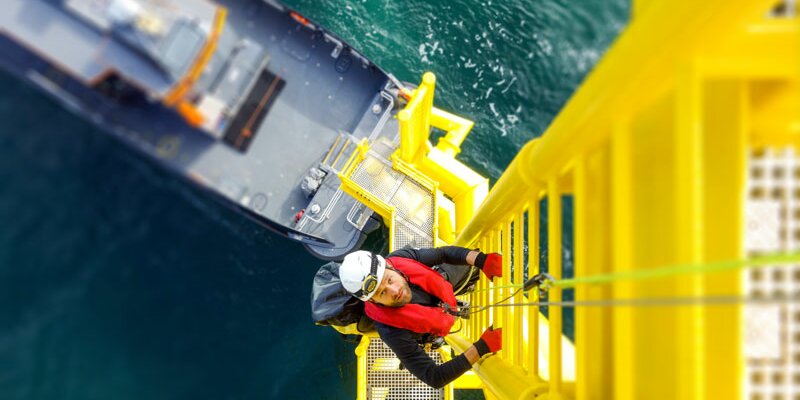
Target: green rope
[(653, 302), (667, 271), (655, 273), (719, 266)]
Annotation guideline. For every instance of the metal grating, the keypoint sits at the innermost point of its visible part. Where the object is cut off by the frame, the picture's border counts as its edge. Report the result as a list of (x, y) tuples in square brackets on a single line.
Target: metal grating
[(405, 234), (412, 201), (385, 379), (772, 224), (378, 177)]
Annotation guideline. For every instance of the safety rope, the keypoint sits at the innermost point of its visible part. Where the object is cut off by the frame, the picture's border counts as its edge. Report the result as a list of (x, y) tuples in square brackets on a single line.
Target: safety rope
[(666, 271), (656, 302), (543, 282), (471, 311), (679, 269)]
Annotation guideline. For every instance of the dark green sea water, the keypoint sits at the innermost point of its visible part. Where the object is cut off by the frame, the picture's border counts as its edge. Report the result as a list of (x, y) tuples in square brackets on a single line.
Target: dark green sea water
[(119, 281)]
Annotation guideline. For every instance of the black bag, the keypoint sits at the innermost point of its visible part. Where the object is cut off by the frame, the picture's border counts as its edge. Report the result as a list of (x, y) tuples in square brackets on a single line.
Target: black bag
[(331, 304)]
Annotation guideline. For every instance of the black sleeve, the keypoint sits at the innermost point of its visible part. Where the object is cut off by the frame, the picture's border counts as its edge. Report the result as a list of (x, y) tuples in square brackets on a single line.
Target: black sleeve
[(434, 256), (417, 362)]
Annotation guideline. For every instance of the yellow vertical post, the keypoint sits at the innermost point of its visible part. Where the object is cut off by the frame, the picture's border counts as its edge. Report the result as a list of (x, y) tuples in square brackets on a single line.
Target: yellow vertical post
[(554, 313), (622, 255), (407, 142), (524, 311), (361, 352), (415, 121), (494, 239), (492, 293), (475, 320), (593, 364), (513, 342), (690, 349), (446, 218), (582, 342), (519, 228), (726, 124), (486, 317), (533, 269), (505, 249)]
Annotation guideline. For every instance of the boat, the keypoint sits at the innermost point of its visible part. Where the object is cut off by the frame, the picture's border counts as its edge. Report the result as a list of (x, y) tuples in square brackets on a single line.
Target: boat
[(251, 101)]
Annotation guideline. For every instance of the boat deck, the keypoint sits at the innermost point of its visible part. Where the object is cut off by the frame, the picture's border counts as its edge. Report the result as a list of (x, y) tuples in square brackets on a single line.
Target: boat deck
[(320, 94)]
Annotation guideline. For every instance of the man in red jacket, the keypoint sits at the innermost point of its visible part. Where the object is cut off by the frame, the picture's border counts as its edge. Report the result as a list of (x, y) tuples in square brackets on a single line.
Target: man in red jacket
[(410, 302)]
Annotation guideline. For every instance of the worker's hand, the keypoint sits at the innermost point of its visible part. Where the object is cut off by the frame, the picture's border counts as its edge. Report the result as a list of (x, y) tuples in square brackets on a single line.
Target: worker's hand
[(490, 342), (491, 264)]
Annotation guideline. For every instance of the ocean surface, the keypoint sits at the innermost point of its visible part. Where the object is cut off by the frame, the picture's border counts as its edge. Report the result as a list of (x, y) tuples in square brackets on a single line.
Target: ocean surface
[(119, 281)]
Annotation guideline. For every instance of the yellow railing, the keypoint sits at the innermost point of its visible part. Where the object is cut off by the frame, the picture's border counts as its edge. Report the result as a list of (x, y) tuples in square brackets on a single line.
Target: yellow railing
[(465, 187), (457, 190), (652, 150), (386, 211)]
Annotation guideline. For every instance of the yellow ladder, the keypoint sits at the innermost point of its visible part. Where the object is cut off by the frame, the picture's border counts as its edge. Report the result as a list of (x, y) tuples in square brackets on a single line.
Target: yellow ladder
[(664, 149)]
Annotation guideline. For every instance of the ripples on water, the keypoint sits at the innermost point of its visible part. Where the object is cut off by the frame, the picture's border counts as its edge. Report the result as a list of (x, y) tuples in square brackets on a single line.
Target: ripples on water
[(507, 65), (119, 281)]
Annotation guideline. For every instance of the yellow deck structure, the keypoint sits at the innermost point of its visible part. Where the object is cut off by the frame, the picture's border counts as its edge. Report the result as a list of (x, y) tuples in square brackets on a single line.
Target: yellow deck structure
[(680, 152)]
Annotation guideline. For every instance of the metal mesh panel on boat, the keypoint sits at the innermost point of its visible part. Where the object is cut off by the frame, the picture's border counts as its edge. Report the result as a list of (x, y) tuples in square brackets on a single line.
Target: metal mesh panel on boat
[(772, 223), (405, 234), (385, 379), (412, 201)]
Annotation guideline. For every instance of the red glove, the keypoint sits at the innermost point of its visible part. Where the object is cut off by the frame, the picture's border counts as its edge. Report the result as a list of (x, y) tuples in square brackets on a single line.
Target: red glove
[(491, 264), (490, 342)]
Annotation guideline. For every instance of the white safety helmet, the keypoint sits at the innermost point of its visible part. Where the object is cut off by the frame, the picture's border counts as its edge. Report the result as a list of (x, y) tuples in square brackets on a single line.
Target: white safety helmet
[(361, 273)]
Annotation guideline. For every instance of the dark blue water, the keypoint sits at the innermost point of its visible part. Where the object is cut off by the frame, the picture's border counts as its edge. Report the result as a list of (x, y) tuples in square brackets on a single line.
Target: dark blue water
[(118, 281)]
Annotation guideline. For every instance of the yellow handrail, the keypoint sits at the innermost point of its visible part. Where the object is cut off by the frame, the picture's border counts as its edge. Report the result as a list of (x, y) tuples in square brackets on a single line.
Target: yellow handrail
[(651, 148)]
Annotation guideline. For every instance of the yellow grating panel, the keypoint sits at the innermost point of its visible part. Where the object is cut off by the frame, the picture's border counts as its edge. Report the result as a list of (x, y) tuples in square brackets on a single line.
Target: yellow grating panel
[(377, 177), (772, 224), (413, 203), (386, 381), (405, 234)]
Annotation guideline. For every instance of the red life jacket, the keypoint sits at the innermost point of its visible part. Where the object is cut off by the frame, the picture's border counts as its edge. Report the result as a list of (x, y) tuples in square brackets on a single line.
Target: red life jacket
[(415, 317)]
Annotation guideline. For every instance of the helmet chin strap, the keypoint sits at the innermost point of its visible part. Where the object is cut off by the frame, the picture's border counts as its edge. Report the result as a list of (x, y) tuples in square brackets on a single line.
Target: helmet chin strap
[(370, 282)]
